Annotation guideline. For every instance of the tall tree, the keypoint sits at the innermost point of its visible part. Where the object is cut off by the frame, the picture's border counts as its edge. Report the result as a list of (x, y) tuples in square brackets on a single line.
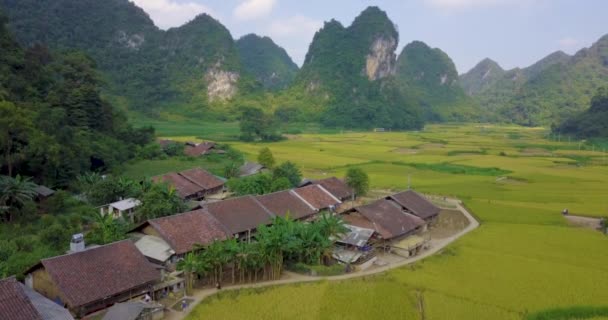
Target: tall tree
[(266, 158), (288, 170), (16, 129), (15, 193), (357, 179)]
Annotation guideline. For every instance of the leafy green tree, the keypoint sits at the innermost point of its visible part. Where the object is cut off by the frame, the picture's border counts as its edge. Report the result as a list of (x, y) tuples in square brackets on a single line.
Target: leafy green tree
[(358, 180), (15, 193), (231, 170), (279, 184), (266, 158), (174, 149), (254, 124), (106, 229), (160, 201), (16, 128), (288, 170)]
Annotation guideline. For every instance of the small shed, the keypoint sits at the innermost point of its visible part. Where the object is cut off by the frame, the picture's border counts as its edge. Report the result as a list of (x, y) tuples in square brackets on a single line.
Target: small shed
[(250, 168), (43, 192), (409, 246), (122, 208)]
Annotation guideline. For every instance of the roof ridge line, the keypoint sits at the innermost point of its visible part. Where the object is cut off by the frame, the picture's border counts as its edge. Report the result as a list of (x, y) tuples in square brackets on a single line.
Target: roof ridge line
[(303, 200)]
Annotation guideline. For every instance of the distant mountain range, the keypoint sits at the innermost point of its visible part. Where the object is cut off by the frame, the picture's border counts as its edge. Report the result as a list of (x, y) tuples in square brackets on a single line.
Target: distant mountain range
[(351, 76), (547, 92)]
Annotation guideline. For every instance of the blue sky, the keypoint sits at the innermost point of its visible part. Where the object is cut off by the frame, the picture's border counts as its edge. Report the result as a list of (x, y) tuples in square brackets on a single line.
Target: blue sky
[(515, 33)]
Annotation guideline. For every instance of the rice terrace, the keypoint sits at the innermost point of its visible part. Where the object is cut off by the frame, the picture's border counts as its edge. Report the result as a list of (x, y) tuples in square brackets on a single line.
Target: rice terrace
[(523, 259)]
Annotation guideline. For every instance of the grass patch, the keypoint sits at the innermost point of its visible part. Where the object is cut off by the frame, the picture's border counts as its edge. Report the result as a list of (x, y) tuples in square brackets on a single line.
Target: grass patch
[(571, 313), (452, 168), (465, 152)]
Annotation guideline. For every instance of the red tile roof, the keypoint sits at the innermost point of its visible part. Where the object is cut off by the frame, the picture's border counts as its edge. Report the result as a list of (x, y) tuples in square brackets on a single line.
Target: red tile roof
[(388, 219), (416, 204), (200, 149), (279, 203), (202, 178), (317, 196), (97, 273), (240, 214), (184, 231), (336, 187), (14, 303), (185, 188)]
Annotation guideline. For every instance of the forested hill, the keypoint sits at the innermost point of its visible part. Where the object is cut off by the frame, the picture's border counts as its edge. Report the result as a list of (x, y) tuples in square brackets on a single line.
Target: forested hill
[(430, 77), (545, 93), (194, 64), (352, 69), (266, 61), (591, 123), (350, 78), (54, 124)]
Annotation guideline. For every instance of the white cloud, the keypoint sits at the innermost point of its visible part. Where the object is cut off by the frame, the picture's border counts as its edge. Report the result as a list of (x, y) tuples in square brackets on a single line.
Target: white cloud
[(295, 34), (455, 5), (568, 42), (253, 9), (170, 13), (298, 25)]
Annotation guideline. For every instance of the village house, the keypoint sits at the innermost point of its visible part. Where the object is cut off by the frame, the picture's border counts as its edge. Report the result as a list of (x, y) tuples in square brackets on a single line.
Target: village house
[(318, 197), (388, 220), (18, 302), (201, 149), (165, 240), (337, 187), (416, 204), (287, 202), (193, 184), (94, 278), (241, 216), (121, 209)]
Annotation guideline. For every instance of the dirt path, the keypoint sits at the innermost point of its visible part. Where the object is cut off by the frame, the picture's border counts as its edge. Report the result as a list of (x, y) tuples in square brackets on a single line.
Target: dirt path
[(436, 245), (584, 222)]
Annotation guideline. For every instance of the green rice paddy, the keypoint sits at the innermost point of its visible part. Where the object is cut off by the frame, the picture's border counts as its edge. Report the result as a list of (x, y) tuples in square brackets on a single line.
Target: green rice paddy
[(523, 260)]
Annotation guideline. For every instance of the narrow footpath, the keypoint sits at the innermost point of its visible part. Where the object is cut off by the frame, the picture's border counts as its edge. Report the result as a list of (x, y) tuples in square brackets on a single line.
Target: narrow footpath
[(436, 246)]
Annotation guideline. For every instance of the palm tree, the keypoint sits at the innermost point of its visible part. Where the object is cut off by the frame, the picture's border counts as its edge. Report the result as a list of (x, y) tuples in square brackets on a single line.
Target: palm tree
[(106, 229), (188, 265), (331, 226), (15, 192)]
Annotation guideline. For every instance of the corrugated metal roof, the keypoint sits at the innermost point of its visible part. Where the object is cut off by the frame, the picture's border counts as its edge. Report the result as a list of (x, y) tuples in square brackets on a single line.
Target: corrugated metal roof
[(357, 236), (155, 248), (125, 204)]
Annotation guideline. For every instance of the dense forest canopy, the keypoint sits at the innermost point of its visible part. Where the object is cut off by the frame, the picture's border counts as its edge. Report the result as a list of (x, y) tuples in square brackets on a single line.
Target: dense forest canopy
[(591, 123), (55, 124)]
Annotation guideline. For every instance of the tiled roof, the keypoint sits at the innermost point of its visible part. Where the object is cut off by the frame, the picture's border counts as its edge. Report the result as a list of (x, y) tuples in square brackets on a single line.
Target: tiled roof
[(415, 203), (317, 196), (336, 187), (185, 188), (202, 178), (184, 231), (199, 149), (279, 203), (14, 303), (97, 273), (388, 219), (240, 214)]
